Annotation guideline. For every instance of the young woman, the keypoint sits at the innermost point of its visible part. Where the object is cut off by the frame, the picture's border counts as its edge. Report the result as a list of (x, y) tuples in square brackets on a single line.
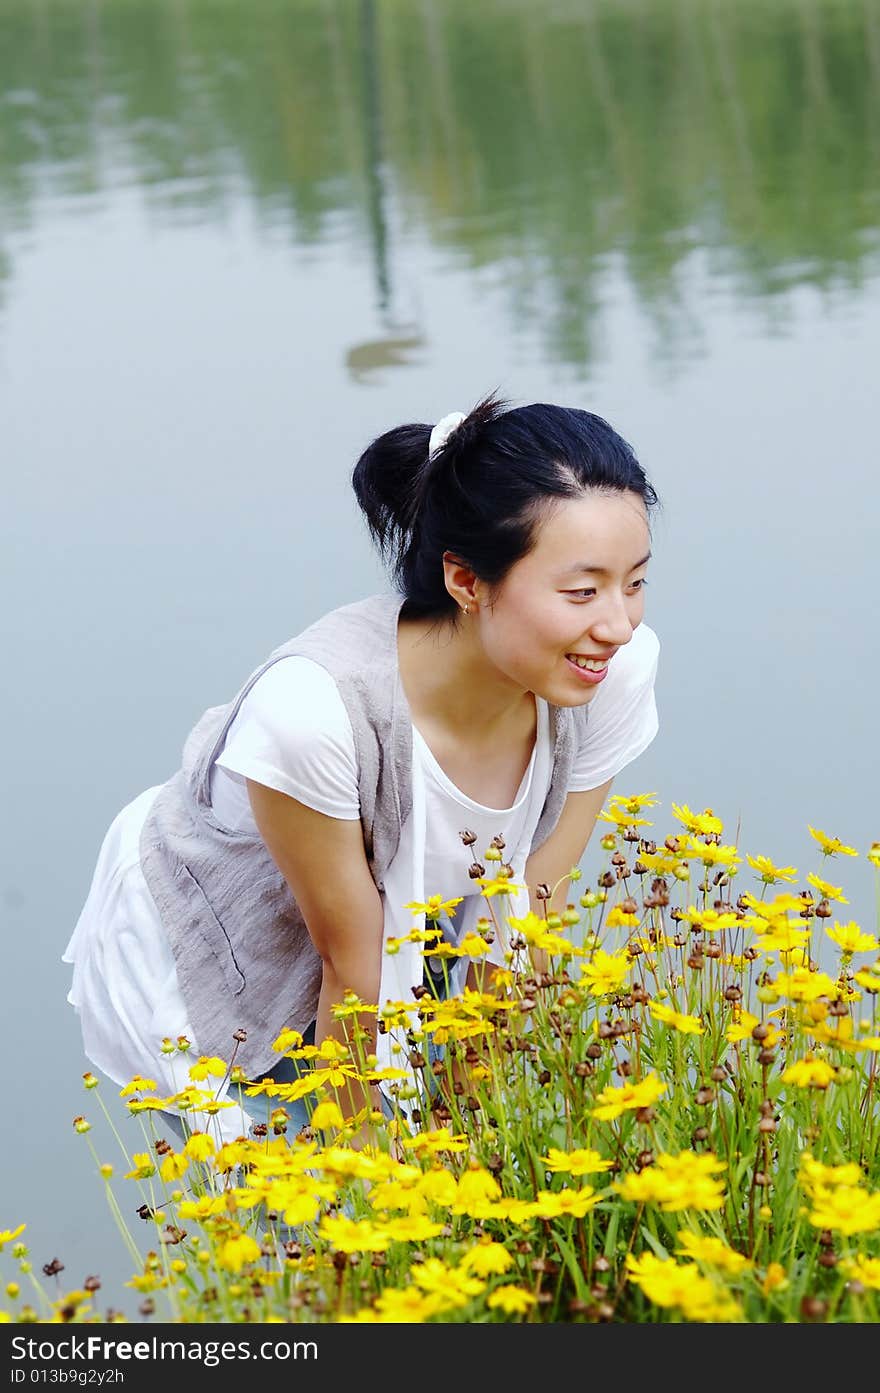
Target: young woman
[(497, 691)]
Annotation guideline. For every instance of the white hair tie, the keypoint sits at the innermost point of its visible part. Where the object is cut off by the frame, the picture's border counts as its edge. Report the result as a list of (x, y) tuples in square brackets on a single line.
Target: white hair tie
[(442, 431)]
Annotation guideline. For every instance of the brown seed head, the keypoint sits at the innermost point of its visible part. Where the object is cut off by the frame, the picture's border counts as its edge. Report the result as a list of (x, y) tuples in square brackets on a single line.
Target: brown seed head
[(812, 1308)]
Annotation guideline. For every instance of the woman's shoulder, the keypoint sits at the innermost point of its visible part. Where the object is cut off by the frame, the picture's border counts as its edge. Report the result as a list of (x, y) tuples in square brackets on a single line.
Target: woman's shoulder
[(351, 634)]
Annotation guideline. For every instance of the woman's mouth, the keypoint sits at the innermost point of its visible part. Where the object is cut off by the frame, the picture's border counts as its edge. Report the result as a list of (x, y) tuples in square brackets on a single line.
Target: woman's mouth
[(589, 670)]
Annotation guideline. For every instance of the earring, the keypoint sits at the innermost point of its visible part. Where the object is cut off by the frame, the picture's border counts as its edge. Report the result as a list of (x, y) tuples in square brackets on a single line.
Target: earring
[(467, 609)]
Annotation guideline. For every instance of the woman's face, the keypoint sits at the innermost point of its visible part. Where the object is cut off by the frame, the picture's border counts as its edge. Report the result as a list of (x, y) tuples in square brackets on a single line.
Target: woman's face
[(578, 593)]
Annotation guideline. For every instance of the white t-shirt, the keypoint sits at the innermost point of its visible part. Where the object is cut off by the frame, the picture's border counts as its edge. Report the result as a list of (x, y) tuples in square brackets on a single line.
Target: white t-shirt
[(292, 733)]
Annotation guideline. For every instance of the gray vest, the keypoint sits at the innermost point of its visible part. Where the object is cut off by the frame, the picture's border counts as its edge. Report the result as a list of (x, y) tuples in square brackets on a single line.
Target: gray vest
[(243, 953)]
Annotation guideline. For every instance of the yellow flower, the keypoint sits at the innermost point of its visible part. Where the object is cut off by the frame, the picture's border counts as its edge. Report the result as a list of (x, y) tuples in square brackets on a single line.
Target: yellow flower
[(711, 1251), (230, 1156), (770, 873), (137, 1085), (327, 1114), (702, 823), (475, 1187), (614, 1101), (688, 1025), (621, 817), (236, 1252), (434, 906), (810, 1073), (353, 1236), (513, 1301), (441, 1139), (803, 985), (813, 1174), (831, 846), (710, 920), (712, 855), (620, 919), (207, 1066), (396, 1307), (473, 945), (850, 938), (874, 854), (575, 1162), (634, 802), (173, 1166), (450, 1284), (351, 1005), (774, 1278), (846, 1208), (287, 1040), (863, 1269), (199, 1146), (668, 1284), (565, 1204), (7, 1235), (780, 937), (869, 979), (412, 1228), (487, 1259), (686, 1181), (662, 862), (496, 885), (826, 890), (782, 903), (438, 1187), (606, 972), (143, 1166)]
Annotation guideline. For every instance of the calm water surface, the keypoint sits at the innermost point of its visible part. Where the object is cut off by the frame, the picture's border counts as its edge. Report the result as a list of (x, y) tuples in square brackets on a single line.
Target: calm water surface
[(236, 242)]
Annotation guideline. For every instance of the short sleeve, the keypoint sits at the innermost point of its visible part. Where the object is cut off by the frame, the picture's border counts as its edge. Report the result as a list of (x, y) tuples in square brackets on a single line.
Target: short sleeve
[(622, 718), (292, 733)]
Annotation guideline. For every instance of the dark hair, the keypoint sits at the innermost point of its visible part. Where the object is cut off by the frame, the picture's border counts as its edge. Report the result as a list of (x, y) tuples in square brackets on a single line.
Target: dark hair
[(484, 492)]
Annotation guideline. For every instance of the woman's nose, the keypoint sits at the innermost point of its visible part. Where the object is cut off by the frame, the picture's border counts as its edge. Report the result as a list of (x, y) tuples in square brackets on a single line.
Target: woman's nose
[(612, 623)]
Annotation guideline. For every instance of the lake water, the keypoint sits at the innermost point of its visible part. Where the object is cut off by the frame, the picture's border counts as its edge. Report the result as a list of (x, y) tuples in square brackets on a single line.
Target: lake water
[(237, 242)]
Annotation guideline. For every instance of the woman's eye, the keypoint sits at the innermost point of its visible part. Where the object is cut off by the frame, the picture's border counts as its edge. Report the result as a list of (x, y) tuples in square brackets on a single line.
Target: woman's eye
[(635, 585)]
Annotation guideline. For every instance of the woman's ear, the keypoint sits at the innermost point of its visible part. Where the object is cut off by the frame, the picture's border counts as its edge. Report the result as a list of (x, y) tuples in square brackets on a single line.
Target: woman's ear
[(461, 582)]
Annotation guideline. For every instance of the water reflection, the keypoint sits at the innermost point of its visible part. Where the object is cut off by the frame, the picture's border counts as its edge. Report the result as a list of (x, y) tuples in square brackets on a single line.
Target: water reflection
[(365, 360), (544, 140)]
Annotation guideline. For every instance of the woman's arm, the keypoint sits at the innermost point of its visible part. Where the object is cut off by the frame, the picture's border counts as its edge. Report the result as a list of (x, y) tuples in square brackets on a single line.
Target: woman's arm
[(562, 850), (565, 846), (324, 863)]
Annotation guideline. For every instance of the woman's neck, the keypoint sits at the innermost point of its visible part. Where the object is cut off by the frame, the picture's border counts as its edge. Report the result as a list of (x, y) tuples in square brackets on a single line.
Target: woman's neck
[(449, 681)]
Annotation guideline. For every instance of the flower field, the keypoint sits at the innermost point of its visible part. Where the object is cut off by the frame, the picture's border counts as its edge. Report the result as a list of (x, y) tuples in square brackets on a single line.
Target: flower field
[(661, 1108)]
